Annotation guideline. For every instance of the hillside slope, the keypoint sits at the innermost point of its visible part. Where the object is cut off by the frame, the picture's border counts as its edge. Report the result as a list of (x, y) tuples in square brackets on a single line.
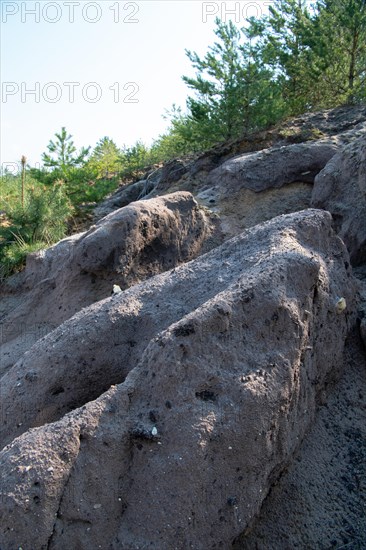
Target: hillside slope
[(218, 400)]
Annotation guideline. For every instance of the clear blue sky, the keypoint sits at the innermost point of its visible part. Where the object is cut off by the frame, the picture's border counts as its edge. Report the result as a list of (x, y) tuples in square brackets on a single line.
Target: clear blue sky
[(130, 60)]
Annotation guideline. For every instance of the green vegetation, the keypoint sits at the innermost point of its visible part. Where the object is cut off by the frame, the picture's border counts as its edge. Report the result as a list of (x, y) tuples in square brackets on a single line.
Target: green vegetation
[(300, 57), (105, 159), (280, 65), (318, 55), (41, 222), (62, 157)]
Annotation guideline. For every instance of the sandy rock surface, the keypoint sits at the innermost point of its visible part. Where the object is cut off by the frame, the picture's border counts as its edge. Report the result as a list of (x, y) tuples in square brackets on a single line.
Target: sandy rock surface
[(341, 189), (129, 245), (320, 499), (218, 401), (273, 167), (182, 453)]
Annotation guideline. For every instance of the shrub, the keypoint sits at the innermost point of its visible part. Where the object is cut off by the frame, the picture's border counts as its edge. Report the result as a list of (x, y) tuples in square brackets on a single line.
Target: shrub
[(42, 222), (84, 186), (13, 257)]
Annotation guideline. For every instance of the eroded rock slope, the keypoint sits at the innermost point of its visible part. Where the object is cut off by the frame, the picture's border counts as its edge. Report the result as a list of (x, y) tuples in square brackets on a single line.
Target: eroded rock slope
[(341, 188), (127, 246), (207, 405), (258, 177), (219, 366)]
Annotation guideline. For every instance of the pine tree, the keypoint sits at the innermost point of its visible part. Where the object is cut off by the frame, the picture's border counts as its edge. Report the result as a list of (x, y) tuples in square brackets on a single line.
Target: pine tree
[(134, 159), (62, 155), (105, 157), (340, 45), (234, 93), (284, 38), (217, 85)]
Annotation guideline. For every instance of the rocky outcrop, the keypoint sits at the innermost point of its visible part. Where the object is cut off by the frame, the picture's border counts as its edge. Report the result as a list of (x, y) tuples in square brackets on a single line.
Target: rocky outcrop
[(319, 501), (171, 172), (341, 188), (341, 125), (128, 246), (360, 273), (245, 208), (122, 197), (260, 176), (219, 364), (272, 168), (255, 187), (159, 180)]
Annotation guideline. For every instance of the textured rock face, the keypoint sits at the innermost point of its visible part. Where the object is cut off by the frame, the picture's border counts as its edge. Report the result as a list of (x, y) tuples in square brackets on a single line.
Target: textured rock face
[(255, 187), (360, 273), (166, 231), (127, 246), (124, 196), (274, 167), (245, 208), (223, 361), (341, 189), (159, 179), (320, 499), (172, 171), (252, 180)]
